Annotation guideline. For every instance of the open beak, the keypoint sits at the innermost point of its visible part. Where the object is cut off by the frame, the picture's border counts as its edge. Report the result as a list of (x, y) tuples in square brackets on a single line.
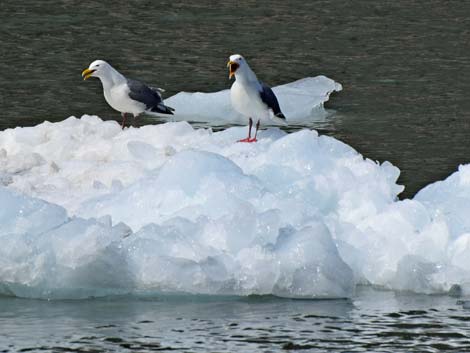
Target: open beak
[(86, 74), (233, 66)]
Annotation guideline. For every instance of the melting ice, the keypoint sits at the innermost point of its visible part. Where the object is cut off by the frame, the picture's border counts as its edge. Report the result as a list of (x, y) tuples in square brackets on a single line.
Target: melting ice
[(88, 209), (301, 101)]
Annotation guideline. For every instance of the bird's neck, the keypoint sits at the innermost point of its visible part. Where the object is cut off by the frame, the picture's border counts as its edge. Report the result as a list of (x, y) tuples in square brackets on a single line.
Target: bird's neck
[(245, 75), (112, 78)]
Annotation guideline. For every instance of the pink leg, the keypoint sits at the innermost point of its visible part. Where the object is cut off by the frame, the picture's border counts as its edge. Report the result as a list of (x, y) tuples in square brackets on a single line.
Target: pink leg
[(248, 139), (123, 120), (256, 133)]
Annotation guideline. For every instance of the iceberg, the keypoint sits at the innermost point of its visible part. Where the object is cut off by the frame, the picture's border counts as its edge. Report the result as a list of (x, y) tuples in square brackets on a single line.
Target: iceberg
[(89, 209), (301, 101)]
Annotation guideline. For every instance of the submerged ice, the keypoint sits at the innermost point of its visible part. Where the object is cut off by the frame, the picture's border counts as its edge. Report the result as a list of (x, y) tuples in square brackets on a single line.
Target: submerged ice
[(89, 209)]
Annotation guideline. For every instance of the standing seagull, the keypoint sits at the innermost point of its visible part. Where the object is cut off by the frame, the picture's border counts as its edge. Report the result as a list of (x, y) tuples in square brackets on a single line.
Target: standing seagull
[(250, 97), (126, 95)]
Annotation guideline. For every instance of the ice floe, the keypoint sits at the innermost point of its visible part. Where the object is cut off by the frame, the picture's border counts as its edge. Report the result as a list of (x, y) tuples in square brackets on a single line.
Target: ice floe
[(88, 209), (301, 101)]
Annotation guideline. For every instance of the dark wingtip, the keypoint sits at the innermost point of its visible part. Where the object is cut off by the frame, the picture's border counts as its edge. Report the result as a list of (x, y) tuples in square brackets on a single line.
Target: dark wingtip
[(170, 110), (281, 116), (163, 109)]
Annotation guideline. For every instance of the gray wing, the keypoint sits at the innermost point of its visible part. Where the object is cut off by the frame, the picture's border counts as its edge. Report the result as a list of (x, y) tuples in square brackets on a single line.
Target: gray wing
[(269, 98), (140, 92), (150, 97)]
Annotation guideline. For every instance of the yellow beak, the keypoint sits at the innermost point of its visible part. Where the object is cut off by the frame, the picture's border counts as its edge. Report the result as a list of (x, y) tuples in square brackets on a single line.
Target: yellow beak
[(86, 74), (233, 66)]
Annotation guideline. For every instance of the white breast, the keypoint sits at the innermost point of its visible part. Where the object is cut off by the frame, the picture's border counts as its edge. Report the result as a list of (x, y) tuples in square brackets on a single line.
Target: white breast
[(118, 98), (246, 100)]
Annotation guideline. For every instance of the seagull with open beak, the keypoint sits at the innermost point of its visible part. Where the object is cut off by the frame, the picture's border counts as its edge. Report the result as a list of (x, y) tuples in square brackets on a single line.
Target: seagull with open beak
[(252, 98), (126, 95)]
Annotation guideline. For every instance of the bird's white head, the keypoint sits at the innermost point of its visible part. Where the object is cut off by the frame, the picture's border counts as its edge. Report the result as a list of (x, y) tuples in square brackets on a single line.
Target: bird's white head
[(98, 68), (238, 66)]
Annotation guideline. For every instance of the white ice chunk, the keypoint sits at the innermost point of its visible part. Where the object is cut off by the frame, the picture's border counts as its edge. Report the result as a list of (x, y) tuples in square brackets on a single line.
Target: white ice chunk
[(450, 200), (21, 214), (310, 263), (89, 209)]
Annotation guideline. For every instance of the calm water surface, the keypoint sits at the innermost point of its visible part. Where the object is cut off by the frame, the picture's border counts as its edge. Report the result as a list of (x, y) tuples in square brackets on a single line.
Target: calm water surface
[(371, 322), (405, 68)]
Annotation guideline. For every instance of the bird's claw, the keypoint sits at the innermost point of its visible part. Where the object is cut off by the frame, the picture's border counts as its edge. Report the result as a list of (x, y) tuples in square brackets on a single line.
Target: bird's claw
[(249, 140)]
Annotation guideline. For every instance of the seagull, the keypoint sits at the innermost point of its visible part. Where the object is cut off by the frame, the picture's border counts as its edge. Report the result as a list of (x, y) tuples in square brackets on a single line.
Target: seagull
[(252, 98), (126, 95)]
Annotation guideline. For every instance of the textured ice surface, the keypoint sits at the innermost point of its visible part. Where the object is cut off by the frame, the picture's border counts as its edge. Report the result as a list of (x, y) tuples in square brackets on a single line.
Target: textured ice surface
[(301, 101), (88, 209)]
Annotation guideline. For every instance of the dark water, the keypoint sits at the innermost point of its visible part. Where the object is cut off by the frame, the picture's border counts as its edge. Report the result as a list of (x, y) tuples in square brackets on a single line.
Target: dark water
[(371, 322), (404, 65), (405, 69)]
